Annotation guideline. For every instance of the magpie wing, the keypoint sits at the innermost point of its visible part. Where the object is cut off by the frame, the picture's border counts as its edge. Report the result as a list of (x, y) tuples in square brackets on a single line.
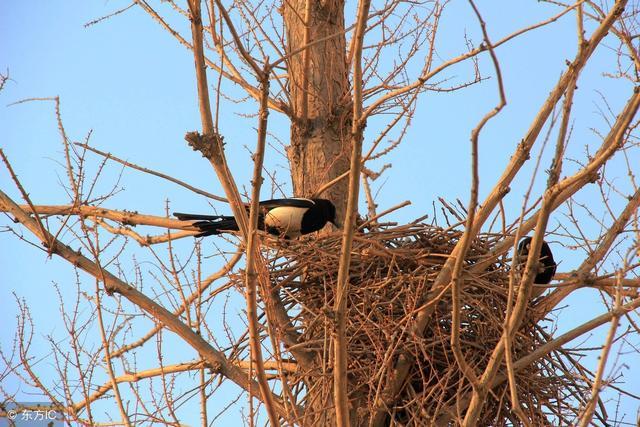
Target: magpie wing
[(293, 202), (266, 204)]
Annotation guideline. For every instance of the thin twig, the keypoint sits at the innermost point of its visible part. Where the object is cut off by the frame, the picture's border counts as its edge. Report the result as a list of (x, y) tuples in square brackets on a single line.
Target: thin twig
[(26, 198), (253, 255), (471, 211), (585, 420), (152, 172)]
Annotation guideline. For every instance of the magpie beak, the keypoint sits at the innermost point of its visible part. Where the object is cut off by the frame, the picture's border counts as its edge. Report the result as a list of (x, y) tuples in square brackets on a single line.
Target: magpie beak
[(289, 218), (546, 264)]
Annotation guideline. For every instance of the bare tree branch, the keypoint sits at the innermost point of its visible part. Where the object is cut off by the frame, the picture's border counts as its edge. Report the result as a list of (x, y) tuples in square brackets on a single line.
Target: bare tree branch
[(112, 284)]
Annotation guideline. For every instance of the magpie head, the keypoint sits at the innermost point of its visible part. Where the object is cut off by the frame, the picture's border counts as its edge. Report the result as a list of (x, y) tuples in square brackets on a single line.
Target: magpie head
[(524, 246), (328, 210)]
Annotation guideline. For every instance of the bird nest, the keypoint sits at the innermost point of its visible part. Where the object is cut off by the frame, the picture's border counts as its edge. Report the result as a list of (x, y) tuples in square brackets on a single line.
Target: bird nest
[(392, 271)]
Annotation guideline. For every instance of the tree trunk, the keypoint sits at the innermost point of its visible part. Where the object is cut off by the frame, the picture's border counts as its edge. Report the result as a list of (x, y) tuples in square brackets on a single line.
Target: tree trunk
[(320, 108), (320, 127)]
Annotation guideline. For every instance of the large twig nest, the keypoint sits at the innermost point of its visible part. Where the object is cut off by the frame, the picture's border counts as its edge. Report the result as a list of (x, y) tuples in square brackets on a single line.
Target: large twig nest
[(391, 272)]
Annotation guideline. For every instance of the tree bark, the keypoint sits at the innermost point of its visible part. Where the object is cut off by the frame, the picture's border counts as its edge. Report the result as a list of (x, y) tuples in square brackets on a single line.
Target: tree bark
[(320, 115), (319, 87)]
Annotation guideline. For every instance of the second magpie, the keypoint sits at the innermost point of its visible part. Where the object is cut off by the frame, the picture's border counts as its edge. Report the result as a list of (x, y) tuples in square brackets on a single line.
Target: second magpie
[(546, 264)]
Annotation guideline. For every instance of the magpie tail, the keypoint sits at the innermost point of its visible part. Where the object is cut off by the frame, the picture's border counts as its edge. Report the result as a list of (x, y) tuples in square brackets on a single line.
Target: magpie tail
[(209, 224)]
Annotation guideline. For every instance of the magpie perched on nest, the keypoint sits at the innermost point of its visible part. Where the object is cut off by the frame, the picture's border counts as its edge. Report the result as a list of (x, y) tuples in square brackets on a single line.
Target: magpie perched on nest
[(289, 218), (546, 264)]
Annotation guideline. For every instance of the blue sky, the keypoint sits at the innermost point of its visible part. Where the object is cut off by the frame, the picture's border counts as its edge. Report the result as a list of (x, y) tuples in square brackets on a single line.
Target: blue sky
[(131, 85)]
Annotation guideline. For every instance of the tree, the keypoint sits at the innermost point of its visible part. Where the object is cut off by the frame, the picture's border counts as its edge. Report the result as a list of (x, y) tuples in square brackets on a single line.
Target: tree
[(459, 334)]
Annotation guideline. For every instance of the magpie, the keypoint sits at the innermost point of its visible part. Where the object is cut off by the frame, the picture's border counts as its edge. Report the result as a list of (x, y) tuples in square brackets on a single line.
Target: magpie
[(546, 264), (289, 218)]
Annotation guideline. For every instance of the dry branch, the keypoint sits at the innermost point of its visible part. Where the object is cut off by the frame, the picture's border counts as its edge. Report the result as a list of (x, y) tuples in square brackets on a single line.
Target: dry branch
[(580, 275), (122, 216), (173, 369), (255, 264), (217, 361)]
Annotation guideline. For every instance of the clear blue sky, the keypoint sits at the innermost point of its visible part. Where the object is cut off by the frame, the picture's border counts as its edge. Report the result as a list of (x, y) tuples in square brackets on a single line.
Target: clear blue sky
[(131, 84)]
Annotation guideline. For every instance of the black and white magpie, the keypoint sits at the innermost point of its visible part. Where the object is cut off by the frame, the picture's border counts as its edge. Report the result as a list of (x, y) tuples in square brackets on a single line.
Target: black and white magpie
[(281, 217), (546, 264)]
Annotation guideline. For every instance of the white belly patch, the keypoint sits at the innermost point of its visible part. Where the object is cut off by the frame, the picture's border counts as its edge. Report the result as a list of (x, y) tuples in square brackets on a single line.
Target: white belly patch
[(286, 218)]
